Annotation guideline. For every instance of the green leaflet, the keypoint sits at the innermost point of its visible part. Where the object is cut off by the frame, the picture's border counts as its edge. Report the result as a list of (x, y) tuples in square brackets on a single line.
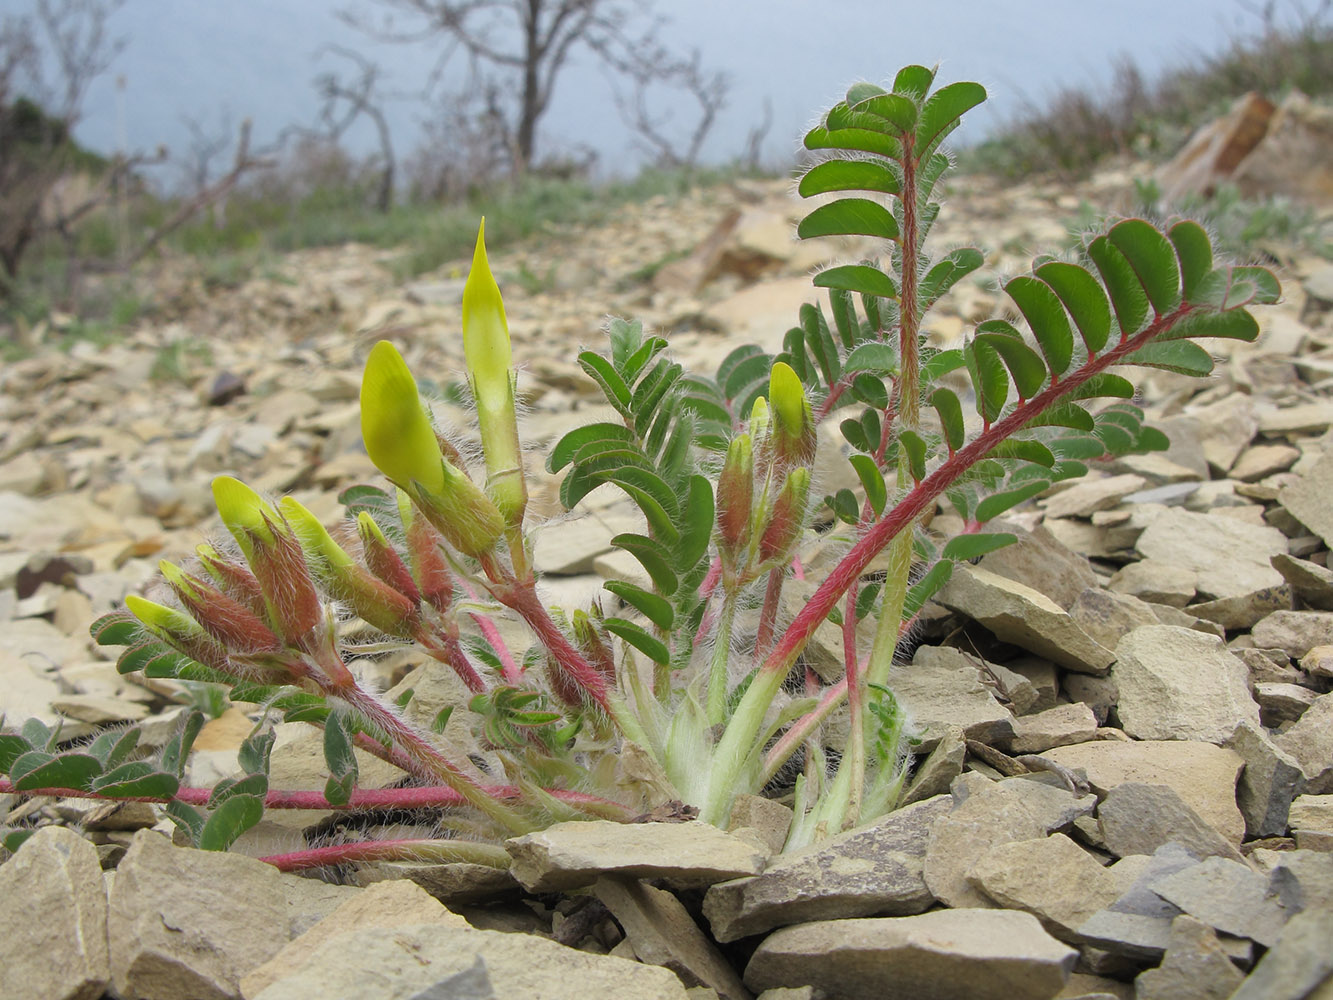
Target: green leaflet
[(965, 547), (848, 175), (1083, 298), (1045, 314), (872, 481), (1127, 295), (1181, 356), (849, 217), (635, 635), (943, 109), (655, 608), (1153, 259), (1195, 252), (858, 278), (950, 411), (946, 273)]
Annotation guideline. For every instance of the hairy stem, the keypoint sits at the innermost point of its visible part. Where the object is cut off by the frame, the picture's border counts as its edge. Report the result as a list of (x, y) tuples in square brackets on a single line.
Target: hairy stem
[(423, 851)]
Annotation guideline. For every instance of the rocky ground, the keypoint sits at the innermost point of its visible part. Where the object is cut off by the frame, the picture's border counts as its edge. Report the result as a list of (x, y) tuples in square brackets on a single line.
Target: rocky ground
[(1125, 785)]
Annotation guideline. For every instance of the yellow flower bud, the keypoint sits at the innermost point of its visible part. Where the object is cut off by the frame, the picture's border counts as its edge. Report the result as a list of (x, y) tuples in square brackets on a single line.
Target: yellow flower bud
[(397, 432)]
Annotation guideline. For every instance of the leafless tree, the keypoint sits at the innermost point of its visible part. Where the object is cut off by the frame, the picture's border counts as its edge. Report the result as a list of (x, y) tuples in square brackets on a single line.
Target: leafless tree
[(708, 89), (348, 98), (515, 50)]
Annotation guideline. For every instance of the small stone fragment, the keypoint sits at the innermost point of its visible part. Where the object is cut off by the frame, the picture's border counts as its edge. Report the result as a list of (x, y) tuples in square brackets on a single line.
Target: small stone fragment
[(1298, 965), (1195, 967), (961, 954), (1137, 926), (1052, 878), (1228, 896), (1203, 775), (1310, 743), (1055, 727), (1312, 822), (1230, 557), (569, 855), (1137, 819), (1089, 495), (1294, 632), (1281, 702), (1024, 617), (1041, 561), (662, 932), (1267, 783), (1311, 582), (937, 772), (875, 871), (1178, 684), (1307, 498), (1155, 582), (942, 687), (53, 919)]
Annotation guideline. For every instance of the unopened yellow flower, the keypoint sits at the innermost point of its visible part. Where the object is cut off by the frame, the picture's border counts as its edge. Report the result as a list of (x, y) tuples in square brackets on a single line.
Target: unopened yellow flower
[(397, 432)]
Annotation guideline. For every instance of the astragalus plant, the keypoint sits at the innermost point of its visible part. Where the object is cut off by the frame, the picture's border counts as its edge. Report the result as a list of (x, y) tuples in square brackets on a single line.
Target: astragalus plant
[(696, 676)]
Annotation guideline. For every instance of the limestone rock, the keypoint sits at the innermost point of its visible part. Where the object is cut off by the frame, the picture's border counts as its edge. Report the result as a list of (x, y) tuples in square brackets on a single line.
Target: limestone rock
[(1312, 822), (963, 954), (1178, 684), (875, 871), (184, 922), (568, 855), (992, 813), (1195, 967), (384, 904), (1294, 632), (1040, 561), (1310, 743), (1052, 878), (1203, 775), (420, 961), (1229, 897), (662, 932), (942, 687), (1215, 150), (1307, 498), (1024, 617), (53, 919), (1298, 965), (1055, 727), (937, 772), (1230, 558), (1312, 583), (1293, 158), (1268, 782), (1281, 702), (1108, 616), (1137, 819), (1089, 495), (1137, 926), (452, 884), (1155, 582)]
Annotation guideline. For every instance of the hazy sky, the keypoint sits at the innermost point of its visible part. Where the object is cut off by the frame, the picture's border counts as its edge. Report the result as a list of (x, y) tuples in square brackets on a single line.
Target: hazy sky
[(206, 59)]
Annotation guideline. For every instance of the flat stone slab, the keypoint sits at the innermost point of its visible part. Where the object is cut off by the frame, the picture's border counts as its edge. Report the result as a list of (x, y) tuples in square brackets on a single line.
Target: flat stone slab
[(963, 954), (1202, 774), (875, 871), (941, 688), (423, 961), (1178, 684), (1228, 896), (1136, 818), (53, 915), (1307, 498), (569, 855), (1020, 615), (1310, 743), (1294, 632), (1229, 557)]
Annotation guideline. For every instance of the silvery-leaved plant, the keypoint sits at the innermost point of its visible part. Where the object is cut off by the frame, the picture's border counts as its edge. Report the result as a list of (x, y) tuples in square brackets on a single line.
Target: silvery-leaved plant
[(680, 688)]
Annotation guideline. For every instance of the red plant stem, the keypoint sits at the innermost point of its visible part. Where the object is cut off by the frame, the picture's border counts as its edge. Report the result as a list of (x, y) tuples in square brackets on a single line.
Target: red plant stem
[(768, 614), (909, 362), (426, 851), (929, 489), (446, 649), (521, 596), (420, 797), (511, 671)]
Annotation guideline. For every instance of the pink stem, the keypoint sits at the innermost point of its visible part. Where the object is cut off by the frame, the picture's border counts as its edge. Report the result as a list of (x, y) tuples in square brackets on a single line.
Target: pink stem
[(522, 597), (386, 850), (768, 614), (929, 489), (511, 672)]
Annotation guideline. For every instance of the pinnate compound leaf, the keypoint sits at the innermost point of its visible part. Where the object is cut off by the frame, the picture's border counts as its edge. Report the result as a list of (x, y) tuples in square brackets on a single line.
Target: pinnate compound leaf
[(950, 411), (229, 820), (849, 217), (1181, 356), (965, 547), (653, 497), (848, 175), (613, 386), (1045, 314), (39, 769), (636, 636), (1127, 295), (1153, 259), (1083, 298), (1195, 252), (137, 779), (944, 108), (653, 607), (995, 505), (861, 278)]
